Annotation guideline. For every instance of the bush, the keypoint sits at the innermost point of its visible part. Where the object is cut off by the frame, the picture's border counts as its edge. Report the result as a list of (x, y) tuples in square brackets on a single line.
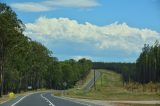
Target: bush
[(11, 95)]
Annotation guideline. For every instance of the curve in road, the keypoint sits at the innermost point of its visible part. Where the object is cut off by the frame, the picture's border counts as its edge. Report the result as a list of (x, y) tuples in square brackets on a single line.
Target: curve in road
[(42, 99)]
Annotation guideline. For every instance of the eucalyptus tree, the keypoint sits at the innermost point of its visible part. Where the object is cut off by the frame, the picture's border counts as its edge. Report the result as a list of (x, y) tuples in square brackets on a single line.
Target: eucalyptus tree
[(24, 62), (10, 30)]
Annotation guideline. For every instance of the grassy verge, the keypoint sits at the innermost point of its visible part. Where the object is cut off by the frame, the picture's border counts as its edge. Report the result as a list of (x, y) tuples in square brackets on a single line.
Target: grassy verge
[(110, 87), (77, 88)]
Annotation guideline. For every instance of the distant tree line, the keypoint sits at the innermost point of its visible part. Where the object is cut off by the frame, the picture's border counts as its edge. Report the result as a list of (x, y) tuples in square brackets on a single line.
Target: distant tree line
[(145, 70), (127, 70), (148, 64), (24, 62)]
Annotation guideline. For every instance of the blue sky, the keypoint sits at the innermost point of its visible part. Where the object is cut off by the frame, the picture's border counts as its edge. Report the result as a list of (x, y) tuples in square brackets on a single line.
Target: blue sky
[(102, 30)]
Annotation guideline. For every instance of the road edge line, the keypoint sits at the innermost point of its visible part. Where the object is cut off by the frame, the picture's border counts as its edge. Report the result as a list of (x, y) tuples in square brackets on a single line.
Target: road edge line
[(19, 100), (23, 98), (75, 101)]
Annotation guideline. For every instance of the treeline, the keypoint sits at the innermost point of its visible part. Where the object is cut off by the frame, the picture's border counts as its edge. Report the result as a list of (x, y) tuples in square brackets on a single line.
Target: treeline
[(127, 70), (63, 75), (25, 63), (148, 64), (145, 70)]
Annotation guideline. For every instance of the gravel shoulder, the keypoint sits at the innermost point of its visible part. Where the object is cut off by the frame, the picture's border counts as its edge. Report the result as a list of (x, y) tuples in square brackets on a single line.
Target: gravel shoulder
[(113, 103)]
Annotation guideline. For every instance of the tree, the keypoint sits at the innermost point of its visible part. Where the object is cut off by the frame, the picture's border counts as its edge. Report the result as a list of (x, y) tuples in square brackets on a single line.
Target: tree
[(10, 29), (24, 62)]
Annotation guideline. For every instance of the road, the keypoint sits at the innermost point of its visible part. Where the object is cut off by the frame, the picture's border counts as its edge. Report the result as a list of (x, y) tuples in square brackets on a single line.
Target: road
[(43, 99), (91, 82), (47, 99)]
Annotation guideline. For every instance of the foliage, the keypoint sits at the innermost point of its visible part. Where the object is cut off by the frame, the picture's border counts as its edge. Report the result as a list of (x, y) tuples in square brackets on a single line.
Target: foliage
[(125, 69), (145, 70), (25, 63), (148, 64)]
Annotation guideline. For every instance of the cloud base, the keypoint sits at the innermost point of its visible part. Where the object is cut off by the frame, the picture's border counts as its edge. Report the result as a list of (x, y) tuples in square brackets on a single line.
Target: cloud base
[(116, 36)]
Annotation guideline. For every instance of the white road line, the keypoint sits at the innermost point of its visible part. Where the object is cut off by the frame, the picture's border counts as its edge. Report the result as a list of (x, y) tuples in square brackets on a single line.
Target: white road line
[(19, 100), (22, 98), (71, 100), (50, 103)]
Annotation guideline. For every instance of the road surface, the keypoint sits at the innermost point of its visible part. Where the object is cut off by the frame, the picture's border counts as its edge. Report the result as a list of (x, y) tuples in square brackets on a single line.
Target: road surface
[(91, 82), (47, 99), (43, 99)]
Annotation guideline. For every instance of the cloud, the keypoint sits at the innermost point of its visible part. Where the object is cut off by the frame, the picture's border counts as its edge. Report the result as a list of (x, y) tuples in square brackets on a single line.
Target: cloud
[(116, 36), (73, 3), (81, 57), (33, 7), (48, 5)]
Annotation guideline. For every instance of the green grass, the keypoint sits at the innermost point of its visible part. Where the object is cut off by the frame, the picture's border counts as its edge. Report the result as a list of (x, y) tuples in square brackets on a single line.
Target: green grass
[(112, 88), (78, 88)]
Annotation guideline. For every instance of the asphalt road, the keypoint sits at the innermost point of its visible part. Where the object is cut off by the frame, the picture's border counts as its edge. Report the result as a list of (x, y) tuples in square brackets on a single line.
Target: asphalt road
[(42, 99), (47, 99), (91, 82)]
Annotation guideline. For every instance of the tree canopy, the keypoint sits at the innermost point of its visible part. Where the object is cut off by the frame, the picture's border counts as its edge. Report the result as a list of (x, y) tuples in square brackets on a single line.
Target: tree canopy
[(145, 70), (24, 62)]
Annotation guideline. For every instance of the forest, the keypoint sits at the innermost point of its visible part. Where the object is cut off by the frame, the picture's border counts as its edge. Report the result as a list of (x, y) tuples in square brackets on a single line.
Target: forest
[(26, 63), (145, 70)]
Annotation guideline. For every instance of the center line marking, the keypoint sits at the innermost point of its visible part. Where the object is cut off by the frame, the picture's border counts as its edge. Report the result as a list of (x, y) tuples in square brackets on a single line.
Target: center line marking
[(50, 103)]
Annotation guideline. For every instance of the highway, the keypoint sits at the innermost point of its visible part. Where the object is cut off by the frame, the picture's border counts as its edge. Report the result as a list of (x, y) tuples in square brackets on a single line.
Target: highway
[(91, 82), (42, 99), (48, 99)]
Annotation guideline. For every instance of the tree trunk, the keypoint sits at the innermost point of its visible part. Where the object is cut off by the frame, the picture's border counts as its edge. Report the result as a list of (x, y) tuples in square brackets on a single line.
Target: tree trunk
[(1, 67)]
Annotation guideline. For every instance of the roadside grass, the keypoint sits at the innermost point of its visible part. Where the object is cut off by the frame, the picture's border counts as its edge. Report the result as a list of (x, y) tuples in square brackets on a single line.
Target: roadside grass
[(82, 83), (136, 104), (111, 88), (78, 88), (4, 98)]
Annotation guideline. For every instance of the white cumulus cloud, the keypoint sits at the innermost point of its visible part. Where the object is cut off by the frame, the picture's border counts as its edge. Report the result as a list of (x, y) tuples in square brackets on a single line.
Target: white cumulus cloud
[(34, 7), (48, 5), (81, 57), (114, 36)]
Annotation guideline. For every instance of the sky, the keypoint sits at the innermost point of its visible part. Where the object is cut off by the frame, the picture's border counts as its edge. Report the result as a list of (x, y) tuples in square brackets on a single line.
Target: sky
[(100, 30)]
